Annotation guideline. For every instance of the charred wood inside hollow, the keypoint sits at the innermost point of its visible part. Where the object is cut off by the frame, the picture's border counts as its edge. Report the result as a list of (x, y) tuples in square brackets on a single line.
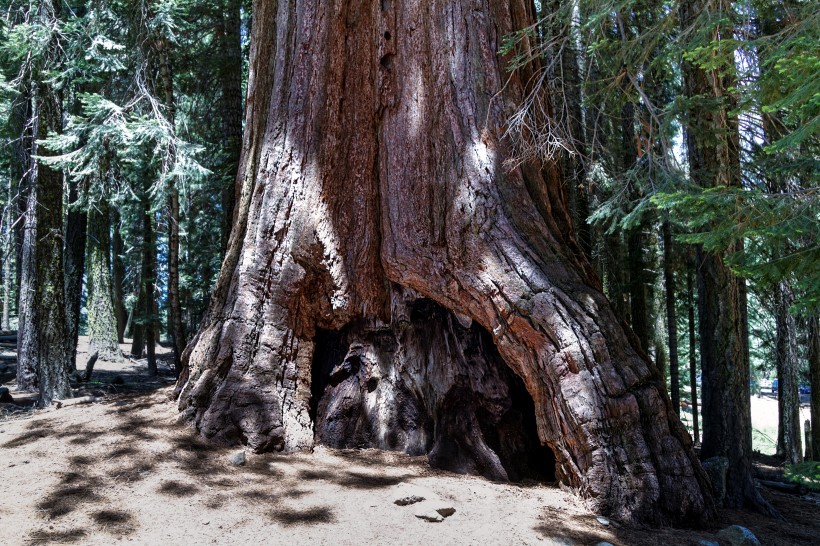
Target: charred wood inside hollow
[(427, 385)]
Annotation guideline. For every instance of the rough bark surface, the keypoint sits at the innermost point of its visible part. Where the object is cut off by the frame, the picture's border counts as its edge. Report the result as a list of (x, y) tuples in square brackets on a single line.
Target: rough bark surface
[(789, 441), (671, 315), (102, 320), (230, 110), (713, 148), (372, 160), (814, 374), (42, 342), (74, 266), (693, 363), (118, 274)]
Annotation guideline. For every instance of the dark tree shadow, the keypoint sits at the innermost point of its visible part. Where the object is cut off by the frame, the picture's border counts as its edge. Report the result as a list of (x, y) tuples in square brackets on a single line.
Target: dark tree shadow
[(309, 516)]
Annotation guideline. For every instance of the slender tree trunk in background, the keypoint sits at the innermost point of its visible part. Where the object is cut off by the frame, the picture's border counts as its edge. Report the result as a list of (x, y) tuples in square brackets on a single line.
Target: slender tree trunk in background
[(614, 270), (230, 81), (8, 256), (671, 313), (714, 161), (374, 201), (102, 320), (21, 123), (74, 266), (165, 89), (149, 275), (145, 323), (42, 356), (789, 441), (635, 240), (118, 274), (814, 373), (693, 364)]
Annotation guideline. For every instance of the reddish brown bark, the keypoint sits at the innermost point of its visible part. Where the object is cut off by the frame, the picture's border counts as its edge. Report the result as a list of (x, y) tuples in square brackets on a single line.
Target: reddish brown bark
[(373, 166)]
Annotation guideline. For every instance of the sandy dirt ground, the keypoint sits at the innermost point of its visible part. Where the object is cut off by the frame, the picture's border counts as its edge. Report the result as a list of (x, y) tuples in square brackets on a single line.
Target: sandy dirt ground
[(123, 469)]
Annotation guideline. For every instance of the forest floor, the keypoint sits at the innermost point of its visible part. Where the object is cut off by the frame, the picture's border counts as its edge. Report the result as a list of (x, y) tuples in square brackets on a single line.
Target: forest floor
[(124, 469)]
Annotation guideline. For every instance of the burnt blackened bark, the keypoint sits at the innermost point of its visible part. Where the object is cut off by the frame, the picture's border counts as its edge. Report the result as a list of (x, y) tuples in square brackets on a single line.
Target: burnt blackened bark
[(102, 320), (378, 163)]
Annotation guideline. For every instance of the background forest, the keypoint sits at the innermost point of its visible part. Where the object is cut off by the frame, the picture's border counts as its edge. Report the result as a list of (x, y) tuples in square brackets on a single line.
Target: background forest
[(130, 113)]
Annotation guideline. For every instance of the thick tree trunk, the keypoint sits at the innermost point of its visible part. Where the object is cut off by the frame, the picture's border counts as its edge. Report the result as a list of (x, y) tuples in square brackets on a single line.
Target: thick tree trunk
[(74, 267), (671, 314), (102, 320), (372, 174), (713, 150), (42, 350), (693, 364), (230, 82), (118, 274)]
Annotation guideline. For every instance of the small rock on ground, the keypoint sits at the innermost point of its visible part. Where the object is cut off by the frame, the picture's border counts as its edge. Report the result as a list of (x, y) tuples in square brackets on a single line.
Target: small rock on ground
[(434, 511), (739, 536), (238, 458), (406, 494)]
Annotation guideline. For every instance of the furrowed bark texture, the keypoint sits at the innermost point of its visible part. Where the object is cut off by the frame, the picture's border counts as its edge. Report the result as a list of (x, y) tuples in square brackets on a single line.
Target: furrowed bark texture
[(789, 441), (42, 342), (74, 267), (102, 320), (372, 169), (814, 374), (713, 148), (118, 274)]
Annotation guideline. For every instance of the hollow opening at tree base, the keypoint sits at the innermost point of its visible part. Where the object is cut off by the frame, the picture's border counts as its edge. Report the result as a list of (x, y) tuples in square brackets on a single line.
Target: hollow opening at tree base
[(427, 384)]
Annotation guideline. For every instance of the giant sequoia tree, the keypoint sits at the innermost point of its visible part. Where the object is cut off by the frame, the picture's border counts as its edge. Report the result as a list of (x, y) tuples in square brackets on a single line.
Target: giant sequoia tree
[(391, 281)]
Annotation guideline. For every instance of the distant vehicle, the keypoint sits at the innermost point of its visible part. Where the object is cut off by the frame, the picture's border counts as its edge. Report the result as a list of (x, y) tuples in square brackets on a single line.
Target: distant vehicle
[(774, 386), (805, 389)]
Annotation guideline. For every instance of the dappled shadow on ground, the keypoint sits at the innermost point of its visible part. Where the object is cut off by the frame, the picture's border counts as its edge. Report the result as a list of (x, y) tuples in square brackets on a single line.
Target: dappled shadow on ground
[(128, 448), (131, 448)]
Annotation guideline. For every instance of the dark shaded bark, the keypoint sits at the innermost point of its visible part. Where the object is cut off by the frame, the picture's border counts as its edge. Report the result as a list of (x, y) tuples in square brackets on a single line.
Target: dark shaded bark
[(671, 314), (693, 365), (145, 321), (789, 441), (118, 274), (42, 342), (371, 386), (378, 163), (74, 265), (9, 256), (21, 123), (229, 72), (814, 373), (164, 88), (102, 320), (712, 140)]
